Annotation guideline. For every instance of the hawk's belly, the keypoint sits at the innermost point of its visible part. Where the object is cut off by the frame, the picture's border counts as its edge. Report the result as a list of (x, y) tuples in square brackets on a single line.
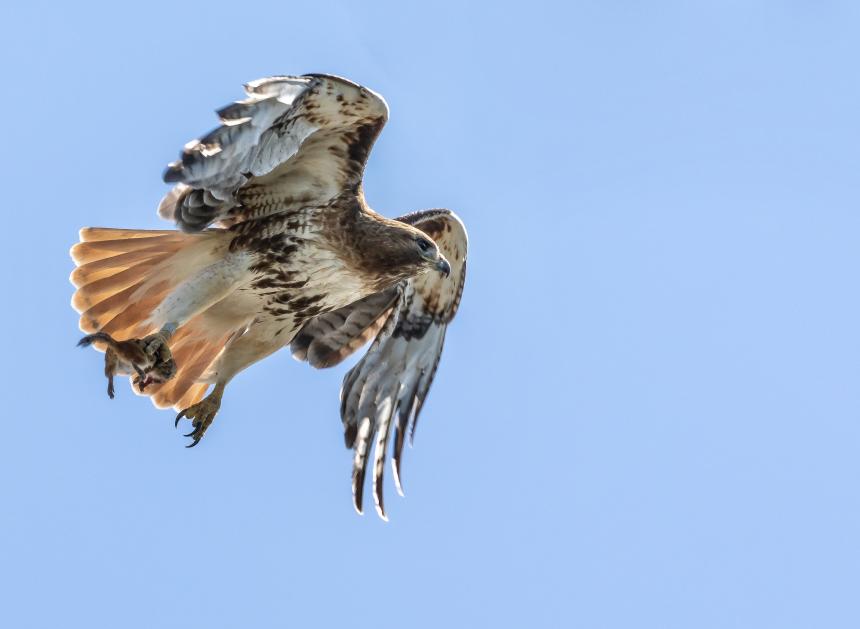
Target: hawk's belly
[(287, 286)]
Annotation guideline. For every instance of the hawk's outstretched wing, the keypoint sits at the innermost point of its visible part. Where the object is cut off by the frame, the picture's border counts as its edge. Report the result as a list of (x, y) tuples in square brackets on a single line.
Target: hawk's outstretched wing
[(294, 142), (391, 381)]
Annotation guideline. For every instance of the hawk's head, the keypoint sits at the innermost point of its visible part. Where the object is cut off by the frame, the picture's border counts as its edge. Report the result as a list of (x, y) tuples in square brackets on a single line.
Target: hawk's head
[(399, 251)]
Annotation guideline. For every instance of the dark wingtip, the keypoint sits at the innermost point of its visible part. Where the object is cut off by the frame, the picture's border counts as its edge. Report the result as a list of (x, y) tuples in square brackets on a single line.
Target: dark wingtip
[(357, 499), (378, 498), (349, 435), (358, 489), (173, 173), (234, 111)]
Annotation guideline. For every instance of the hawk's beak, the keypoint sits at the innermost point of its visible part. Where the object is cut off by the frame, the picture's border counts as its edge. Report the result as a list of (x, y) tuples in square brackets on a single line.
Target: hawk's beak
[(443, 267)]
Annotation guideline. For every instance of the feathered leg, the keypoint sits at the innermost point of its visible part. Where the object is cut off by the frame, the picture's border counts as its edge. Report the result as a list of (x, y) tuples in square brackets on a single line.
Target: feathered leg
[(259, 341)]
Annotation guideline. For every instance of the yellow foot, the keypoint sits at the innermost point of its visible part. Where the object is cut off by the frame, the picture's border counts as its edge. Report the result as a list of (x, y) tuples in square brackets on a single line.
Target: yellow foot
[(201, 416)]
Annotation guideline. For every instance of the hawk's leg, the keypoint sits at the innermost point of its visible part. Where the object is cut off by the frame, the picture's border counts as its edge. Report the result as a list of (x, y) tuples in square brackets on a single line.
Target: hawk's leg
[(257, 342), (202, 413)]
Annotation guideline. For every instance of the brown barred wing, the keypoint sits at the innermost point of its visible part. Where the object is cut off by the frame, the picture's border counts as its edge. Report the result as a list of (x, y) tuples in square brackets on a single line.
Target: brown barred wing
[(389, 385), (326, 340), (295, 142)]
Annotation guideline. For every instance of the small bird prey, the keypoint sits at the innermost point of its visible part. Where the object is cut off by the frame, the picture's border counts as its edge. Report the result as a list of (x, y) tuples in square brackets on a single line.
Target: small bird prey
[(277, 246)]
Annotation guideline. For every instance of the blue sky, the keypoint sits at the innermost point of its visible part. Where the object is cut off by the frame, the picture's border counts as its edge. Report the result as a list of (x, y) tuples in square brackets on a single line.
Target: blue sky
[(647, 411)]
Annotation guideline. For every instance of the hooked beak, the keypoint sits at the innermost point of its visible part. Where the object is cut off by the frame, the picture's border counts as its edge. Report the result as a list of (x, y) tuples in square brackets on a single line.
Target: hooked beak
[(443, 267)]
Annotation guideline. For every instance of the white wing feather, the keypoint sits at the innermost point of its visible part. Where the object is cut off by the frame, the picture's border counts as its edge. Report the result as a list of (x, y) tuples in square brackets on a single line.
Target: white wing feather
[(292, 140)]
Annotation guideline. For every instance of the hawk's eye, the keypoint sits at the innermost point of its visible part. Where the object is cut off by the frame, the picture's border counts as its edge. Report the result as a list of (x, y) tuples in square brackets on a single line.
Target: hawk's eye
[(424, 245)]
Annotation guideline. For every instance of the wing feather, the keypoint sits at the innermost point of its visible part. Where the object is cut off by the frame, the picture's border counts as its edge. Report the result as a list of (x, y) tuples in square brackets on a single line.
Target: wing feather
[(389, 385), (326, 340), (293, 142)]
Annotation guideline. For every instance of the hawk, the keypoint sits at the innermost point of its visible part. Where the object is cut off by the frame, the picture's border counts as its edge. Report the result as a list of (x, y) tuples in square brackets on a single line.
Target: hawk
[(277, 246)]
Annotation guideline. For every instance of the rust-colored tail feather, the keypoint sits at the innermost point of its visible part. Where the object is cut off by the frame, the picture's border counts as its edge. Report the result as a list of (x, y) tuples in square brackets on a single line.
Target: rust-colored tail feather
[(122, 276)]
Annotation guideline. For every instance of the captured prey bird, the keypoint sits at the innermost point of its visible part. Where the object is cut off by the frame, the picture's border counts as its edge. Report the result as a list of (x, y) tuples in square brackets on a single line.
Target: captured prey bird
[(277, 246)]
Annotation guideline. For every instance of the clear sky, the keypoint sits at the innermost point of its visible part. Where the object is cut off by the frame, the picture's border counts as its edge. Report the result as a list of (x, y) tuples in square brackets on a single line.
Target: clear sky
[(647, 410)]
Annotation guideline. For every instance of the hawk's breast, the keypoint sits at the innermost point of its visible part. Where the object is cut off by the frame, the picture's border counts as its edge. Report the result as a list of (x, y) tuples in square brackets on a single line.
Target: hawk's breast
[(300, 275)]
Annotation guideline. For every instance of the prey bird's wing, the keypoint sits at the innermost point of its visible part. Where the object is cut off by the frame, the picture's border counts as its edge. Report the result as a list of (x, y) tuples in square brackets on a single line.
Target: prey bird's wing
[(293, 143), (390, 383)]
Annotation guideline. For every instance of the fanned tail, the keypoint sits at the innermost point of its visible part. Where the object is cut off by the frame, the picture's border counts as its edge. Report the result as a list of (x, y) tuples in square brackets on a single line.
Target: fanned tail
[(122, 276)]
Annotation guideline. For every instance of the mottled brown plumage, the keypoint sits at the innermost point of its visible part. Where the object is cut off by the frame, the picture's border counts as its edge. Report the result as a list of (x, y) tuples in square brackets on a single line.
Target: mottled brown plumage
[(278, 245)]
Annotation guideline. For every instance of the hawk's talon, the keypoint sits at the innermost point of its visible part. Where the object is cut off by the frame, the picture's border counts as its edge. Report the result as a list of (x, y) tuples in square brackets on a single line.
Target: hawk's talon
[(196, 434), (201, 415)]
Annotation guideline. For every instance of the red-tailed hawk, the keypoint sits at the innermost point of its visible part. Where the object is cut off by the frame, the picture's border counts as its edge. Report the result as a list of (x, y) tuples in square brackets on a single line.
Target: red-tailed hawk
[(278, 247)]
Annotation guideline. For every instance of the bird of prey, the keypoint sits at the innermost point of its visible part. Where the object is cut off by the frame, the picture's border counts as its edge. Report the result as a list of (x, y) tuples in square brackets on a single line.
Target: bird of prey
[(277, 246)]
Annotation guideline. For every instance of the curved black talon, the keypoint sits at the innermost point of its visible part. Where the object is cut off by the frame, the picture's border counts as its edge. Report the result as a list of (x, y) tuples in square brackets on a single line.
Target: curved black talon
[(178, 417), (196, 434)]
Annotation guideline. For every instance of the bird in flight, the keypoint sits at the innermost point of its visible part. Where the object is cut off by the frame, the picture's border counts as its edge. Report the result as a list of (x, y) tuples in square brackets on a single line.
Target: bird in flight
[(277, 246)]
